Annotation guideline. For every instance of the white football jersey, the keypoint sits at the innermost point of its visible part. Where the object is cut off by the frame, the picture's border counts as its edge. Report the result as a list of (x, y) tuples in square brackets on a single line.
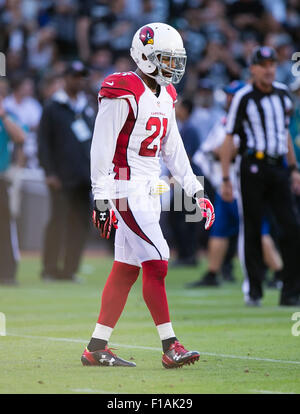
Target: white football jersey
[(133, 129)]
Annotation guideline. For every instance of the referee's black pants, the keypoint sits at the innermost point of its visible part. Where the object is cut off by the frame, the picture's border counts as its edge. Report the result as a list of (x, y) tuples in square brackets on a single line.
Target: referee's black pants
[(264, 184), (66, 231)]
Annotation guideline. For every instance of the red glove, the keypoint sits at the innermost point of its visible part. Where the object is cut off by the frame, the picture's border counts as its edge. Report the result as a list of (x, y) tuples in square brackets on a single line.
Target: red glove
[(207, 211), (104, 218)]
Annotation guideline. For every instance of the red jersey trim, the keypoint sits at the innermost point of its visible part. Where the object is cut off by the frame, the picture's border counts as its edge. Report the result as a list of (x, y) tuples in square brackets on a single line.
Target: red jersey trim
[(172, 92), (120, 160)]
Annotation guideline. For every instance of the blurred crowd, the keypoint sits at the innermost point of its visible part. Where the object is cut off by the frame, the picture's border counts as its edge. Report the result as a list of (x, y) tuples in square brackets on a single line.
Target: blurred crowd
[(40, 38)]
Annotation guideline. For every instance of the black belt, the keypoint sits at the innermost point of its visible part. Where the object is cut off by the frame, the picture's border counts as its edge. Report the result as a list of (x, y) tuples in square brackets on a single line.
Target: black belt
[(263, 157)]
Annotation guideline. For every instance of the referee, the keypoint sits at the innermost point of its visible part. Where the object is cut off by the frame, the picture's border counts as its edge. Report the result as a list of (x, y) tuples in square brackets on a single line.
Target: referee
[(267, 171)]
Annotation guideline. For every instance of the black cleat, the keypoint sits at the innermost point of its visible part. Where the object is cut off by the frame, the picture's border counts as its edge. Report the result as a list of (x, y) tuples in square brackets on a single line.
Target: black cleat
[(177, 356), (208, 280), (289, 300), (254, 303), (104, 358)]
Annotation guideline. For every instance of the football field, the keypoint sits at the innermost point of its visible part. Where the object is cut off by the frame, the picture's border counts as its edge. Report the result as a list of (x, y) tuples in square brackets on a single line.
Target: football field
[(243, 350)]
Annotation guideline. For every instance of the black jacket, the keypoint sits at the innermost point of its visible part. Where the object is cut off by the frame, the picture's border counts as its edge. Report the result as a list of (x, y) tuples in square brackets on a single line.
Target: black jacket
[(60, 152)]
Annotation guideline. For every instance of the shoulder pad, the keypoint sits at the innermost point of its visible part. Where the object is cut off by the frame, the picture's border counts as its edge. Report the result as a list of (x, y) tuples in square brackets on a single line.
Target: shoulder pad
[(172, 92), (121, 85)]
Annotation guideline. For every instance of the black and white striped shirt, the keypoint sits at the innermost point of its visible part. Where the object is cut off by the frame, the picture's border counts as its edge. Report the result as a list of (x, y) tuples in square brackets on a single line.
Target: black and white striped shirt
[(261, 119)]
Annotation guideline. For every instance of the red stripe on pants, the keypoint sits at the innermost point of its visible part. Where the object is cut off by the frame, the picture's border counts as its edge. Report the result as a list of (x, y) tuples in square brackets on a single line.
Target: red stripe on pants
[(124, 210)]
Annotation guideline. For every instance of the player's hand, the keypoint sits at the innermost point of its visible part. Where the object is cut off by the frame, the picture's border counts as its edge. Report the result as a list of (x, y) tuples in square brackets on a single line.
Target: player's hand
[(207, 211), (227, 191), (295, 178), (2, 110), (53, 182), (104, 218)]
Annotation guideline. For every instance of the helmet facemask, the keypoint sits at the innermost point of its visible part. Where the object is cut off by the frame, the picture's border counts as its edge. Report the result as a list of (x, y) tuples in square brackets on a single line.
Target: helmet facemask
[(172, 63), (158, 51)]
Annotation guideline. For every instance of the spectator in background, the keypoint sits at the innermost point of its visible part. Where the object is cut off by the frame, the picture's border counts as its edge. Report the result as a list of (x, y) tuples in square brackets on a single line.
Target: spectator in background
[(218, 63), (276, 8), (123, 64), (292, 20), (102, 61), (206, 112), (49, 84), (63, 24), (13, 34), (27, 110), (100, 65), (190, 28), (213, 21), (251, 16), (10, 132), (122, 27), (41, 49), (113, 23), (92, 28), (148, 13), (282, 43), (64, 137), (103, 23), (4, 87), (243, 55)]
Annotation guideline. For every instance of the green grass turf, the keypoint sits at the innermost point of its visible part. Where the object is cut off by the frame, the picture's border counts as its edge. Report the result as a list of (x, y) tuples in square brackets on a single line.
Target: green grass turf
[(243, 350)]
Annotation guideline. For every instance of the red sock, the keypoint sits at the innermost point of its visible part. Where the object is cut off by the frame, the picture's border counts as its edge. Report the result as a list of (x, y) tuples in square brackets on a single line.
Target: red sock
[(115, 292), (154, 292)]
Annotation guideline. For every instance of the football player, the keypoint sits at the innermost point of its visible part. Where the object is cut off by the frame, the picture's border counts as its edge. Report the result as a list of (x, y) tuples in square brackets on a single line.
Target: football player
[(134, 126)]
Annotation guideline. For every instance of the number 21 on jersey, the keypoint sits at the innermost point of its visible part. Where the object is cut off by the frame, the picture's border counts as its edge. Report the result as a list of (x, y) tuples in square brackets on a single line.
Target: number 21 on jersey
[(151, 146)]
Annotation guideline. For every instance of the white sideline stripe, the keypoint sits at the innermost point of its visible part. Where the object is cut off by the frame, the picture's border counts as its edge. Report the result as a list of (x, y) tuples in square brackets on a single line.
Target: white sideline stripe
[(248, 358), (271, 392), (83, 341), (282, 361)]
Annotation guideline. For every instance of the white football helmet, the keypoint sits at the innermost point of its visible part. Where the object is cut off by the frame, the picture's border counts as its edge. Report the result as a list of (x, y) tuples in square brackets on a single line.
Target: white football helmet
[(159, 46)]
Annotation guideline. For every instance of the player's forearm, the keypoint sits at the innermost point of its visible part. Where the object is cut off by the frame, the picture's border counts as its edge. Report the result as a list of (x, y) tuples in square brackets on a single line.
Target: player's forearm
[(226, 152), (102, 151), (108, 124), (16, 133), (82, 30), (177, 161), (291, 157)]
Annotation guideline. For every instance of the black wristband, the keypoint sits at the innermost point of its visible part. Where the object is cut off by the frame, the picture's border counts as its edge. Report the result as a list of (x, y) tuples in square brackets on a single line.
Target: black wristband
[(101, 205), (200, 194), (226, 179)]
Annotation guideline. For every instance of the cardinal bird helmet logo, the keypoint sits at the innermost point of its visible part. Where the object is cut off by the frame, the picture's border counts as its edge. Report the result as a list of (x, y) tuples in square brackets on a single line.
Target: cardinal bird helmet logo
[(146, 35)]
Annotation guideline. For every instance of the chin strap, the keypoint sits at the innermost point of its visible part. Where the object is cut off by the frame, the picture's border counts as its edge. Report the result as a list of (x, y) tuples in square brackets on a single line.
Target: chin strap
[(161, 80)]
